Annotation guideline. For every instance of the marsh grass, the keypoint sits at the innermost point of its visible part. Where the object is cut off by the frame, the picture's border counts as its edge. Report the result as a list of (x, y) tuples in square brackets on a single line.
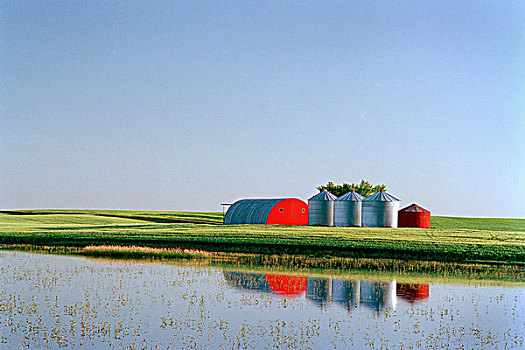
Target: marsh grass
[(133, 252), (409, 269)]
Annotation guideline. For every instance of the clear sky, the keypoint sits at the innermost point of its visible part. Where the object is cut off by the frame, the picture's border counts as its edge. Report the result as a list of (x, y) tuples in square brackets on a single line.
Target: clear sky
[(185, 105)]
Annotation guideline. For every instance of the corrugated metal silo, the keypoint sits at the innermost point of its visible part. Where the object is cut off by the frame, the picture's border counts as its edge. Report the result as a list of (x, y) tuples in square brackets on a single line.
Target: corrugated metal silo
[(347, 209), (414, 216), (321, 209), (380, 210)]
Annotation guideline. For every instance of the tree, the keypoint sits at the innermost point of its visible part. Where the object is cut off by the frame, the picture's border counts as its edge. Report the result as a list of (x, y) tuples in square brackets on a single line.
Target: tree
[(364, 188)]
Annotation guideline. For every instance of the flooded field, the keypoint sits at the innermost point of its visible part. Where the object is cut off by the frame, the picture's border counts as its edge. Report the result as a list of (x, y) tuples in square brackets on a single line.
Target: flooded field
[(49, 301)]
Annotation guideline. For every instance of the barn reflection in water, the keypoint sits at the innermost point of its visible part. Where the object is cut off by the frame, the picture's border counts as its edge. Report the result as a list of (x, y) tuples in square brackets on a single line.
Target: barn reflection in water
[(324, 292)]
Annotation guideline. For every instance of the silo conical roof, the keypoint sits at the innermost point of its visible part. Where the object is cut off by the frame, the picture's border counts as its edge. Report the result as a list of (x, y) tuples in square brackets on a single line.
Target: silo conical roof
[(323, 196), (351, 196), (414, 208), (381, 196)]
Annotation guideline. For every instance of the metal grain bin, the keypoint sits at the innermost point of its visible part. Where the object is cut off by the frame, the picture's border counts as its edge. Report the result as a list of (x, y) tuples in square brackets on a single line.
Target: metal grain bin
[(321, 209), (347, 209), (380, 210), (414, 216)]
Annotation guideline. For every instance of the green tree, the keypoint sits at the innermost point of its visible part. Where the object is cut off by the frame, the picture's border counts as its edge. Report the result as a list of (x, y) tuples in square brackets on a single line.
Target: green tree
[(364, 188)]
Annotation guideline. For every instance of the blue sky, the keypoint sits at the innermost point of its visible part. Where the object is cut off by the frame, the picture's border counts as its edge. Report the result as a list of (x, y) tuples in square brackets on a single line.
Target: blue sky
[(186, 105)]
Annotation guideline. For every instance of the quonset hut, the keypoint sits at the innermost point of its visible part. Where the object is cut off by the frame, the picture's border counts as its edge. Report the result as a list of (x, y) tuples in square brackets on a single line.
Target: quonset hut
[(347, 209), (414, 216), (380, 210), (321, 209), (279, 211)]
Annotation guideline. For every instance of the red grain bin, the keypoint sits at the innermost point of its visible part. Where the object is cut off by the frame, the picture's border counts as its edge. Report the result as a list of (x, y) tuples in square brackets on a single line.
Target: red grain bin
[(414, 216)]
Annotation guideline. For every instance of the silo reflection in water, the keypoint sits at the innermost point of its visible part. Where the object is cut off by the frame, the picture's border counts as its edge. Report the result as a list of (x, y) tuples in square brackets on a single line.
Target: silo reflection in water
[(319, 291), (413, 292), (350, 294), (346, 293), (378, 295)]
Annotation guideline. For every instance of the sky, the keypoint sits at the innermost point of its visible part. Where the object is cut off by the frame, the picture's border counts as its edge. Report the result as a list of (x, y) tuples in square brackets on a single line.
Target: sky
[(184, 105)]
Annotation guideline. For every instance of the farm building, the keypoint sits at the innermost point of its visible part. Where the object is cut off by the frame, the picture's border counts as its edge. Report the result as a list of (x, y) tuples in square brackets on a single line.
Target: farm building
[(279, 211), (347, 209), (414, 216), (380, 210), (321, 209)]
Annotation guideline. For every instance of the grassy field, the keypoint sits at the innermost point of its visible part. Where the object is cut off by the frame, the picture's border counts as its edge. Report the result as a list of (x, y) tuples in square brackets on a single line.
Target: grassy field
[(148, 216), (461, 240)]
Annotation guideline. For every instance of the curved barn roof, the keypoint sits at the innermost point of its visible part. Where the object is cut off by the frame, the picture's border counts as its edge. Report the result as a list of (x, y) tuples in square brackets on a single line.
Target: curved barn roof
[(414, 208), (381, 196), (323, 196), (250, 211), (351, 196)]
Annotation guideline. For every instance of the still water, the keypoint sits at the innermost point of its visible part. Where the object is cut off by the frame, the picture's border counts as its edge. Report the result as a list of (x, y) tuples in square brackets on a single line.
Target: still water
[(49, 301)]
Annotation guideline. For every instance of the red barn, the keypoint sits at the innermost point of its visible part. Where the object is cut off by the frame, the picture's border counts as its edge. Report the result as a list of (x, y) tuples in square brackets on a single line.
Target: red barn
[(414, 216), (280, 211)]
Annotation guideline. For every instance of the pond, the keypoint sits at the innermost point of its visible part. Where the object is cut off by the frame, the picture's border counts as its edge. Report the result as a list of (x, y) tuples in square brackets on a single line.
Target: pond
[(49, 301)]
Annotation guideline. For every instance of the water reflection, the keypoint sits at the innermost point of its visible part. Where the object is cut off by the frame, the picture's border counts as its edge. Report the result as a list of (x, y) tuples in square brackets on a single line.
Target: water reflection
[(57, 302), (348, 293), (378, 295), (250, 281), (413, 292), (319, 291), (286, 285)]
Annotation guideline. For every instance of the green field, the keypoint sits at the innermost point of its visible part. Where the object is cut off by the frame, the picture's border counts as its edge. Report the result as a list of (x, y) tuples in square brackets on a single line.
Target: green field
[(463, 240)]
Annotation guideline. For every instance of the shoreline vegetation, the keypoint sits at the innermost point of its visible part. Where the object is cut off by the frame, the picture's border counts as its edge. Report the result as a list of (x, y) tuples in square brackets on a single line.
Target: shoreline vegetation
[(464, 247), (410, 270)]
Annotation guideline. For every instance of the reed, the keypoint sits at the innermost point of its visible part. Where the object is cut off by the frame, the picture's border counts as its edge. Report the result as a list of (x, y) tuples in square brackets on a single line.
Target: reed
[(296, 262), (138, 251)]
